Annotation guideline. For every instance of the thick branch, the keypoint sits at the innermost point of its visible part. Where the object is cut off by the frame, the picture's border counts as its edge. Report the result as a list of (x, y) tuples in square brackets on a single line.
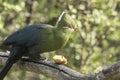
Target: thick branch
[(61, 72)]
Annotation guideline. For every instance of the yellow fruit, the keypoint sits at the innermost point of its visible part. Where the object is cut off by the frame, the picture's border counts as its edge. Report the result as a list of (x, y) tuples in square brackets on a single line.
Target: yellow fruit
[(60, 59)]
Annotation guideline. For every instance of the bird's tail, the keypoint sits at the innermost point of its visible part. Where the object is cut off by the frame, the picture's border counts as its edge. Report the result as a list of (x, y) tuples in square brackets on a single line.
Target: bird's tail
[(5, 70), (15, 54)]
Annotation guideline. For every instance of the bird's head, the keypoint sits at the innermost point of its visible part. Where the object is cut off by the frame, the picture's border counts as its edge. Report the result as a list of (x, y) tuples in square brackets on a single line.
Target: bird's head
[(66, 21)]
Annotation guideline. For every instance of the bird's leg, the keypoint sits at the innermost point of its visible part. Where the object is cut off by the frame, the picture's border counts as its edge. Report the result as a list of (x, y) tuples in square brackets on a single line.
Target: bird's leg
[(35, 57)]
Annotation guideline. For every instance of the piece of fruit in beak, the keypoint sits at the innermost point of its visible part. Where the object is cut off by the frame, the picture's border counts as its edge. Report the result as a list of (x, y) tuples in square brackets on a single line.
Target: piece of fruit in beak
[(60, 59)]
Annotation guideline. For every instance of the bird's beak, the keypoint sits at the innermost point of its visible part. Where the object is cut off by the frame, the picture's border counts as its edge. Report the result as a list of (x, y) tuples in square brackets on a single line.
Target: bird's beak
[(75, 29)]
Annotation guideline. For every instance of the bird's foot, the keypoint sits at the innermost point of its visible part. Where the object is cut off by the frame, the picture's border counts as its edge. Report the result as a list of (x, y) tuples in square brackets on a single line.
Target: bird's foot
[(41, 58), (37, 58), (34, 57)]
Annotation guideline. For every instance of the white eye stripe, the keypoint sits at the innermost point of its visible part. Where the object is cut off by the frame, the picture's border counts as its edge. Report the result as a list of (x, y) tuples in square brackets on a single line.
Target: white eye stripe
[(69, 28)]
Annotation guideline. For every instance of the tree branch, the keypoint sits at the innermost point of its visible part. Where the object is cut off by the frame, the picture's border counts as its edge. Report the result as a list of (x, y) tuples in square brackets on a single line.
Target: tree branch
[(61, 72)]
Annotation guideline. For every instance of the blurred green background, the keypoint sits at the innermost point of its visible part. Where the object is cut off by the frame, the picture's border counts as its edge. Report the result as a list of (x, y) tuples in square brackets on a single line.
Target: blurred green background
[(94, 46)]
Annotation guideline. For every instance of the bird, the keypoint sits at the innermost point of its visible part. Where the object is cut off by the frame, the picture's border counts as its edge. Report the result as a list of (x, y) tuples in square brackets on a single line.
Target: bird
[(36, 39)]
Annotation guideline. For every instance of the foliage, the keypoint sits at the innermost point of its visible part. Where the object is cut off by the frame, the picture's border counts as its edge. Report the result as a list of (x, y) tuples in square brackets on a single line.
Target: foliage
[(94, 46)]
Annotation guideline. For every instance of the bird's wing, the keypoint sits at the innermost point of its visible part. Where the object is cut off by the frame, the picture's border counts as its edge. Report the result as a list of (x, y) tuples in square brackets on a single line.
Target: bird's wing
[(27, 36)]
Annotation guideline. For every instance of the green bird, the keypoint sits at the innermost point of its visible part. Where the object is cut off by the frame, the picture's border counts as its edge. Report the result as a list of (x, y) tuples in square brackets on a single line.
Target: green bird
[(35, 39)]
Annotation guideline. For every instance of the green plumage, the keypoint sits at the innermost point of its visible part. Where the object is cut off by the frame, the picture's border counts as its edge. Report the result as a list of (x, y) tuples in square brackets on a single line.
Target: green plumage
[(36, 39)]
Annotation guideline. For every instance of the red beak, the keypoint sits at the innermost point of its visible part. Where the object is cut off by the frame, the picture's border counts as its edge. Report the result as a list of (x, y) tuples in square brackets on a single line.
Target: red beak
[(76, 29)]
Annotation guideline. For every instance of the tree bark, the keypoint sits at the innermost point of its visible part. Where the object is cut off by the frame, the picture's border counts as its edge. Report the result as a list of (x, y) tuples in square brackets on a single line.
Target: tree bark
[(61, 72)]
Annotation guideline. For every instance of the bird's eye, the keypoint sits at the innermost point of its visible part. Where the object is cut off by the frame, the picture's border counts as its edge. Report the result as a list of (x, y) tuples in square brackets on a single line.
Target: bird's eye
[(69, 26)]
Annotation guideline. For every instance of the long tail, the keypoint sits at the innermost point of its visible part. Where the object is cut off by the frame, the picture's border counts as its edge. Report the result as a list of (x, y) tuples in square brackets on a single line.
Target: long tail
[(15, 54), (5, 70)]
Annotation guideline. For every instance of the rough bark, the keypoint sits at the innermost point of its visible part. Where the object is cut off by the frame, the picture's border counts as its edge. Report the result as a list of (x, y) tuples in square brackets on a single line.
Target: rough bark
[(61, 72)]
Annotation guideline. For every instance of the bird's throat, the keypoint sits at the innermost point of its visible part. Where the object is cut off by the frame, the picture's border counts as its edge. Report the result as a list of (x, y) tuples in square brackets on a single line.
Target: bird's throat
[(62, 36)]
